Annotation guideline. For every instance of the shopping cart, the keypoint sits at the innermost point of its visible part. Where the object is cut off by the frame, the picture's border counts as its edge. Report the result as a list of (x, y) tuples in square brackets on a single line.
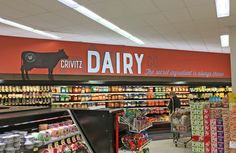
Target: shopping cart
[(181, 127)]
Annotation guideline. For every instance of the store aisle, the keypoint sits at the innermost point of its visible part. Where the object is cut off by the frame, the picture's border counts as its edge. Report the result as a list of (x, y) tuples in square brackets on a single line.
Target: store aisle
[(167, 146)]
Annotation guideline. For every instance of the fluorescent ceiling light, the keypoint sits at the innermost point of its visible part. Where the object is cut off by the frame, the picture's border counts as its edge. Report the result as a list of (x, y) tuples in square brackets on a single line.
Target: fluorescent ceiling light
[(90, 14), (21, 26), (224, 40), (222, 8)]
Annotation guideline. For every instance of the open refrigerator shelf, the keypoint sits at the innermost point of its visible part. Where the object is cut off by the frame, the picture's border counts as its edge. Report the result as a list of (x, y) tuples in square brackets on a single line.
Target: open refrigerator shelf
[(31, 119)]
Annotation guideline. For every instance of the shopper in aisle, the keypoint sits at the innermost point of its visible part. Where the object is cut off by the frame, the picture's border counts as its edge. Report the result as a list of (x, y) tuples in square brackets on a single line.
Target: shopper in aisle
[(173, 105), (174, 102)]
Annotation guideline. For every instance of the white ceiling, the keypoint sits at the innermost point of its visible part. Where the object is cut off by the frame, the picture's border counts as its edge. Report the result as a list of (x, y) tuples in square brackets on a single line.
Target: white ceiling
[(174, 24)]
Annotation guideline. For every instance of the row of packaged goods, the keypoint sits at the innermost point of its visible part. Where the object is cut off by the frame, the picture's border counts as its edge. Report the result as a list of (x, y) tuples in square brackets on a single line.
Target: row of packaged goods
[(232, 125), (76, 105), (24, 102), (26, 95), (211, 89), (210, 128), (207, 96), (20, 141), (136, 104), (113, 104), (97, 89), (102, 97), (25, 89)]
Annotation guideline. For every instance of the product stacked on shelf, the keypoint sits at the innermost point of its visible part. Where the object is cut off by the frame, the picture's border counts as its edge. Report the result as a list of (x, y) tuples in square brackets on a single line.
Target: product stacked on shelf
[(204, 93), (57, 137), (210, 127), (232, 122), (25, 95), (136, 139), (200, 121), (117, 96)]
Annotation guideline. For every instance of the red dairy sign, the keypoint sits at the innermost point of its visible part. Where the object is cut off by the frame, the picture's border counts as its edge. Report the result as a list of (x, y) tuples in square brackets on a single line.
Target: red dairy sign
[(38, 56)]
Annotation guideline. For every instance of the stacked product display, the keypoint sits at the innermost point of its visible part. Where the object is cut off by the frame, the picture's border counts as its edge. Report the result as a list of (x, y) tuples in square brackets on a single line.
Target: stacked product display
[(232, 122), (50, 138), (210, 127), (201, 132), (136, 139)]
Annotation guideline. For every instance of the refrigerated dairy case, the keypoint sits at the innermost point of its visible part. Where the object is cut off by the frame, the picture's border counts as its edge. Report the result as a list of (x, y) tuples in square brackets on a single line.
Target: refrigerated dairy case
[(46, 130)]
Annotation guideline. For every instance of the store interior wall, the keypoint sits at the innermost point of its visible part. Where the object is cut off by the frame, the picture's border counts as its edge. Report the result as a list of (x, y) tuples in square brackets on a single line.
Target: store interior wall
[(233, 56)]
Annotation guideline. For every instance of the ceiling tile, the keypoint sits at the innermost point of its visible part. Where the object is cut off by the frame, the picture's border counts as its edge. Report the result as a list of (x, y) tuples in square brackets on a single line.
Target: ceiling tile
[(24, 6), (165, 5), (107, 10), (187, 26), (139, 7), (191, 3), (202, 12), (178, 16), (50, 5), (155, 19), (232, 7), (47, 21), (228, 21), (9, 13)]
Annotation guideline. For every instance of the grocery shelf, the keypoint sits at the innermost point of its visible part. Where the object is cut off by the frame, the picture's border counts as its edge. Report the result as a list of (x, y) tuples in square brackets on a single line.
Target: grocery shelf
[(103, 93), (61, 138), (6, 92), (114, 93), (139, 131), (105, 101), (210, 91), (182, 92), (144, 107)]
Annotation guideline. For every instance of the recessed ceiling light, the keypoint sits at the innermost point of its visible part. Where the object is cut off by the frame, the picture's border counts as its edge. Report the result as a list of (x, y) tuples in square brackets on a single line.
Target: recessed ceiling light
[(222, 8), (90, 14), (21, 26), (224, 40)]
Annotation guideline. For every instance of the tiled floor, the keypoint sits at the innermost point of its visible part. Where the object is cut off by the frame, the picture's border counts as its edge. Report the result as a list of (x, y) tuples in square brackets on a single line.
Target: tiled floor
[(166, 146)]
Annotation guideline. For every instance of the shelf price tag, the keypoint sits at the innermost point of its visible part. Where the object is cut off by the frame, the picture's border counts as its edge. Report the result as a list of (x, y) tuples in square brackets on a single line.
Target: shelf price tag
[(63, 142), (35, 149), (56, 145), (50, 146), (73, 139), (78, 137), (68, 140)]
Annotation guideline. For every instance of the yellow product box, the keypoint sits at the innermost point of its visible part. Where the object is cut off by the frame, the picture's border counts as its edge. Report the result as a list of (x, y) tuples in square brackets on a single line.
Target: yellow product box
[(232, 98)]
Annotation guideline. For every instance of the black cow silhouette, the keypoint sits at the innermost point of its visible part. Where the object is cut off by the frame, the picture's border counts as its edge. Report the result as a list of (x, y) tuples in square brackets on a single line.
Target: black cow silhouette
[(48, 60)]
